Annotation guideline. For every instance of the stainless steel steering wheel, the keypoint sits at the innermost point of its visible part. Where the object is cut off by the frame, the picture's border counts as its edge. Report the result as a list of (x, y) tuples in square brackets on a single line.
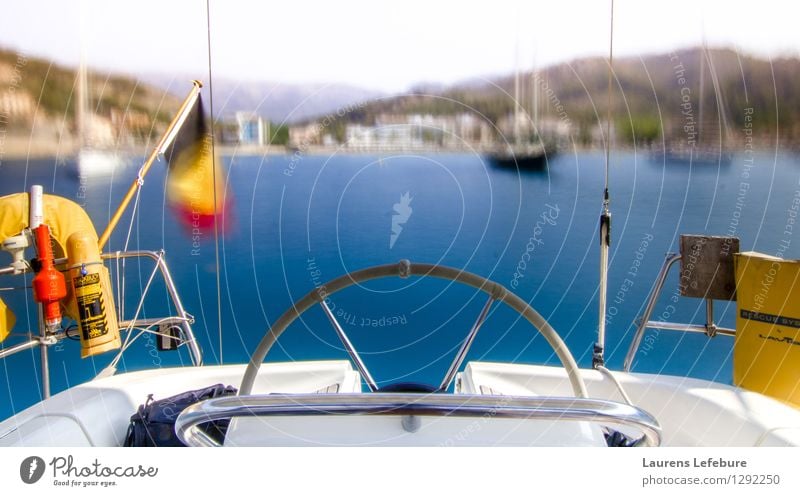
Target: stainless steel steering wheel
[(406, 269)]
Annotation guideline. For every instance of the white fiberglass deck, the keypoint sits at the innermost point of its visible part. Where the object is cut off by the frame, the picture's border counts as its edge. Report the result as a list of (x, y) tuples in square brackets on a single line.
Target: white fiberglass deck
[(691, 412)]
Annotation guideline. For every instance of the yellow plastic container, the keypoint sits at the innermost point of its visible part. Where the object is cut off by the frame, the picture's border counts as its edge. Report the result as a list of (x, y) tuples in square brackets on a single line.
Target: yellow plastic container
[(766, 353), (91, 291)]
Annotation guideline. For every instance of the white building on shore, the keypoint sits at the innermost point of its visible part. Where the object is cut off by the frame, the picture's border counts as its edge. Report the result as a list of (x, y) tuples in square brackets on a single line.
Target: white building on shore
[(252, 129)]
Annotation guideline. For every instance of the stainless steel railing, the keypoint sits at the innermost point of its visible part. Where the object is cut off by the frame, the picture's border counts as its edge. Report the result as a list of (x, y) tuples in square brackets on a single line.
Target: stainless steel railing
[(709, 328), (407, 404), (182, 319), (182, 315)]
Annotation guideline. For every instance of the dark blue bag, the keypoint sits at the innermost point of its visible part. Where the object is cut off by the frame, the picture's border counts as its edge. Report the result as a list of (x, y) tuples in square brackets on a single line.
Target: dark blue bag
[(153, 425)]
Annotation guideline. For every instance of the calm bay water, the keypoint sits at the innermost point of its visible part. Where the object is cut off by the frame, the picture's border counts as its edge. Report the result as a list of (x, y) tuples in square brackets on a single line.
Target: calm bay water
[(295, 225)]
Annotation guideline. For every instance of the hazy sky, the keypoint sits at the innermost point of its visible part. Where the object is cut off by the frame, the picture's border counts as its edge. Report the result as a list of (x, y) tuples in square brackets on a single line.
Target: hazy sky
[(381, 45)]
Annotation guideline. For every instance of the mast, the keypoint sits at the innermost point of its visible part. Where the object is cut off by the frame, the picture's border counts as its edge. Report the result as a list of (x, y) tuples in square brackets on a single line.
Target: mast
[(535, 104), (702, 90), (535, 96), (82, 114), (516, 93)]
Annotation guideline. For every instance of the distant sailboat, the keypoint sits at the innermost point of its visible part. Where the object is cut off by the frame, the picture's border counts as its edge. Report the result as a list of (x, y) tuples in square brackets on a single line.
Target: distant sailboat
[(703, 151), (530, 153), (97, 155)]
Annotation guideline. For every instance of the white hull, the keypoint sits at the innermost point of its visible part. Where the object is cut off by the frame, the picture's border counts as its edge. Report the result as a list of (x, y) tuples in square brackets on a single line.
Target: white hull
[(92, 162), (691, 412)]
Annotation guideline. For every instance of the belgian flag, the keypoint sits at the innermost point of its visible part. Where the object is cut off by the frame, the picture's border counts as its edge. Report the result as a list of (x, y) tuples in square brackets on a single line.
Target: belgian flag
[(196, 181)]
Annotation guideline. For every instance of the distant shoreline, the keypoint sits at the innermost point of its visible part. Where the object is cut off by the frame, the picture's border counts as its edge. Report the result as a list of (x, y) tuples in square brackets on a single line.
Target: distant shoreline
[(14, 150)]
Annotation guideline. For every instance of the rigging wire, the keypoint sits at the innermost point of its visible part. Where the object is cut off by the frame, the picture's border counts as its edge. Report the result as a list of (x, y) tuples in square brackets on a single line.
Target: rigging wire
[(608, 104), (129, 330), (214, 174), (598, 351), (121, 274)]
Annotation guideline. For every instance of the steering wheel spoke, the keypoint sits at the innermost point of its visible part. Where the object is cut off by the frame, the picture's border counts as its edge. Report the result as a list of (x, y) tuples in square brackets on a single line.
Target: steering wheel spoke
[(410, 400), (348, 346), (405, 269), (465, 346)]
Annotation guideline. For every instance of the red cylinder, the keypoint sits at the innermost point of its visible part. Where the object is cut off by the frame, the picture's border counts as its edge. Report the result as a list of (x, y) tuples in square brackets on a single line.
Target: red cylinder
[(48, 284)]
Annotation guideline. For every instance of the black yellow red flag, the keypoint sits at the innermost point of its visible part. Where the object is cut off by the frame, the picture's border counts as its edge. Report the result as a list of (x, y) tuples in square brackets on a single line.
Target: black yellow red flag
[(196, 180)]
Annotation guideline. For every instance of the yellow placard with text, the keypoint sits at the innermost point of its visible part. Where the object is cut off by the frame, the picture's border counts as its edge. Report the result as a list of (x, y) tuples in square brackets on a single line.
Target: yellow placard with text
[(766, 355)]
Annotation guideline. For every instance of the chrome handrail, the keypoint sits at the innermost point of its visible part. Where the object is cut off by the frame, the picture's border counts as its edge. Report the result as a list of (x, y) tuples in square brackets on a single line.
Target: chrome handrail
[(669, 261), (405, 404), (183, 318), (14, 349), (186, 319), (709, 328)]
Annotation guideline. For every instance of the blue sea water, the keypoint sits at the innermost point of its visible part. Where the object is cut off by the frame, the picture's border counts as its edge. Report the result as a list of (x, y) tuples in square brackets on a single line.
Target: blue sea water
[(294, 224)]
